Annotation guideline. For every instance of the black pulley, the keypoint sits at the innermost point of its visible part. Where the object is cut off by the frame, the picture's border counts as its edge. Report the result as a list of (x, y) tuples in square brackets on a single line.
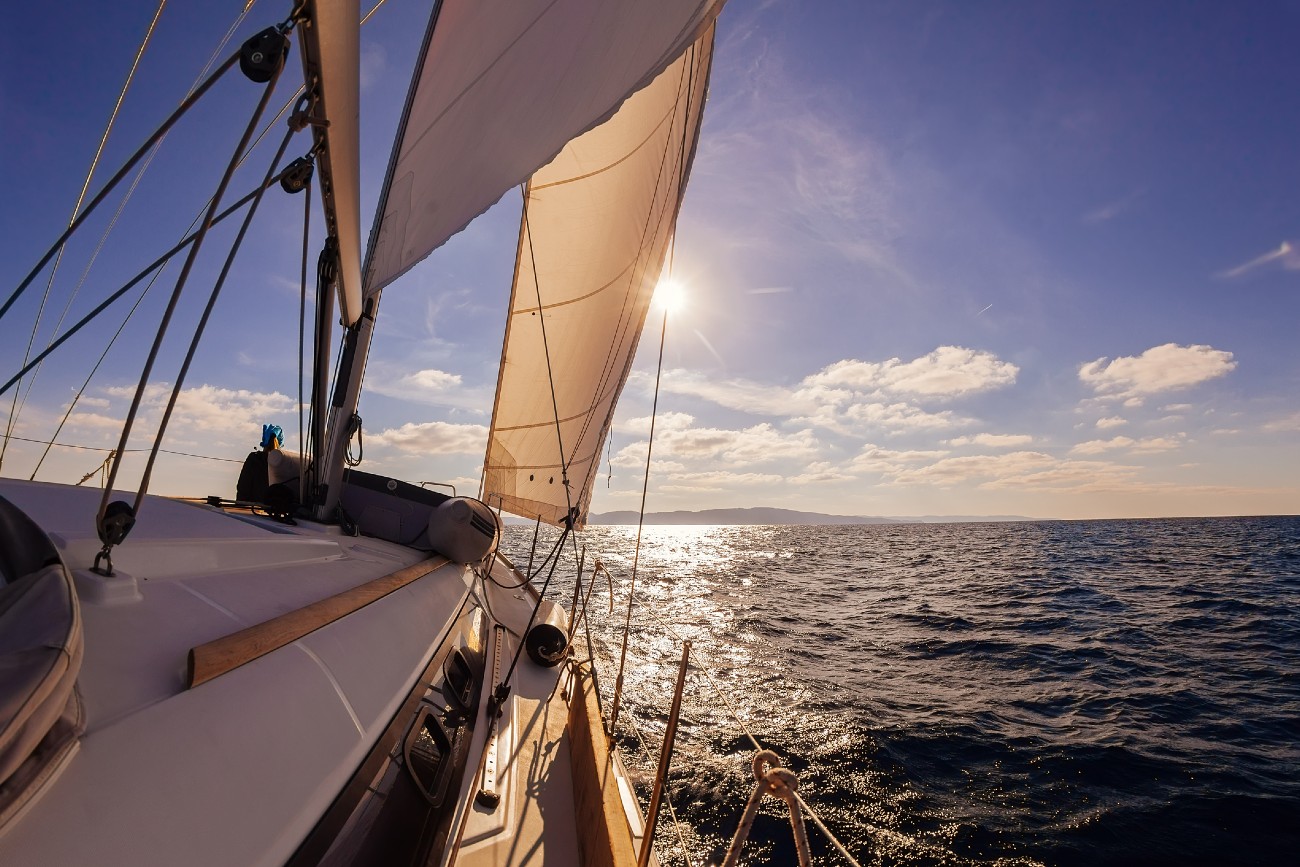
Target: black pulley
[(262, 55), (297, 175), (117, 522)]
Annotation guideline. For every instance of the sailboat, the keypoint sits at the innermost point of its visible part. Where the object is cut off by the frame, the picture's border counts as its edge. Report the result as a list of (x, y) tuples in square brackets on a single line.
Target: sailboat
[(337, 666)]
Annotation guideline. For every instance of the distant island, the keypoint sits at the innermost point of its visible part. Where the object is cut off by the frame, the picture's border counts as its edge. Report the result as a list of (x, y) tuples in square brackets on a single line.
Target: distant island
[(767, 515)]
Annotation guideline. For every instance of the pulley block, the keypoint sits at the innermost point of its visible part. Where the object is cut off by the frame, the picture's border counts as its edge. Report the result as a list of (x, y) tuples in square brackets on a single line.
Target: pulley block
[(263, 54), (117, 522), (297, 175)]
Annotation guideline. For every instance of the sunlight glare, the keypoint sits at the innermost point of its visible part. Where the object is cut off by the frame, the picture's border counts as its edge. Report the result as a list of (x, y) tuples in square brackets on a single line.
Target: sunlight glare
[(670, 296)]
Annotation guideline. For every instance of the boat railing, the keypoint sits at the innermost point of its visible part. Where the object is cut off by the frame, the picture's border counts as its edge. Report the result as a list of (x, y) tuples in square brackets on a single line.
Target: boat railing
[(770, 778)]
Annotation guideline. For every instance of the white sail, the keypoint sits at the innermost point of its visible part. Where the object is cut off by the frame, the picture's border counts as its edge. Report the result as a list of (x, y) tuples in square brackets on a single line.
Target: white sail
[(505, 85), (597, 224)]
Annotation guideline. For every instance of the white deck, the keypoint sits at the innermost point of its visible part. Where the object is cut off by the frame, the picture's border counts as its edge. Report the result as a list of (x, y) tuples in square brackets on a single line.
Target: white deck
[(236, 770)]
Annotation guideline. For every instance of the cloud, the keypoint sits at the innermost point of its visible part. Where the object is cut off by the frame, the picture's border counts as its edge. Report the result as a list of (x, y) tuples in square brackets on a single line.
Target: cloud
[(752, 445), (433, 438), (1111, 210), (1112, 421), (664, 421), (1143, 446), (1286, 424), (821, 472), (1285, 255), (874, 459), (901, 417), (1161, 368), (948, 371), (715, 480), (952, 471), (428, 386), (993, 440), (209, 414), (850, 395)]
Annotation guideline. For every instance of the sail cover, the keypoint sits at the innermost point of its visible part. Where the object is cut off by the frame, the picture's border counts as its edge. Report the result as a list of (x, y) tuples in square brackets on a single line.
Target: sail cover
[(597, 224), (503, 87)]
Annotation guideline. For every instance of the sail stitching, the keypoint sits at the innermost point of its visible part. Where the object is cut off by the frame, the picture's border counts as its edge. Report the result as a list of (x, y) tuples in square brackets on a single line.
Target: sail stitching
[(627, 156), (623, 331)]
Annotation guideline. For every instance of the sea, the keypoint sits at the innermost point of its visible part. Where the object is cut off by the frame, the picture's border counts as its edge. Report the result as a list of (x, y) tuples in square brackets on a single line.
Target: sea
[(1055, 693)]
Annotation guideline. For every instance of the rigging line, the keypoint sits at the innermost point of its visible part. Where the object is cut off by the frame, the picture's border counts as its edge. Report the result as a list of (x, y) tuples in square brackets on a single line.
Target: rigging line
[(145, 272), (185, 106), (135, 182), (212, 299), (681, 837), (550, 373), (180, 285), (102, 449), (608, 370), (640, 524), (85, 273), (704, 667), (77, 397), (14, 408)]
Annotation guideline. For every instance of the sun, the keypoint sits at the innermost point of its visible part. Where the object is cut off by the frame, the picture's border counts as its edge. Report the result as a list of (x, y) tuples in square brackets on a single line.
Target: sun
[(670, 296)]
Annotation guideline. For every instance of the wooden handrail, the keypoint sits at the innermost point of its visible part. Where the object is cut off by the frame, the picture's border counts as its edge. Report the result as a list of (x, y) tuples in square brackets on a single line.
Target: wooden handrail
[(225, 654)]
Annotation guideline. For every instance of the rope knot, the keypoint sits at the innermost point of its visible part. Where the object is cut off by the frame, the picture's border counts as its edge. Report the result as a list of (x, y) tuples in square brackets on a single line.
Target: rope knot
[(772, 778)]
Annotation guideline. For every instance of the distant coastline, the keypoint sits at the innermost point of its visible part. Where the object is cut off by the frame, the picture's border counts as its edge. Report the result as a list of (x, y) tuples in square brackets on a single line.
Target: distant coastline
[(771, 516)]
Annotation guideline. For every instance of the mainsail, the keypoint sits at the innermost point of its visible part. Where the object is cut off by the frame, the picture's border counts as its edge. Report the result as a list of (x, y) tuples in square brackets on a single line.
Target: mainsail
[(503, 87), (596, 227)]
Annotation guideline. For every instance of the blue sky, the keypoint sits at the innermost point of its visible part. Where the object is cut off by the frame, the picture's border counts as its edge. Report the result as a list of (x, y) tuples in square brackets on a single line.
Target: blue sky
[(995, 258)]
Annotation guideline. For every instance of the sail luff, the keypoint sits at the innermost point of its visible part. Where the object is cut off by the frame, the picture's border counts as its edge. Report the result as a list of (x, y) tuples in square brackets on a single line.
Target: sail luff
[(526, 79), (606, 205)]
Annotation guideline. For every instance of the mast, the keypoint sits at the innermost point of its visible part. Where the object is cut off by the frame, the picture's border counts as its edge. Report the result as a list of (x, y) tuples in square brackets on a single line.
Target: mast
[(356, 348)]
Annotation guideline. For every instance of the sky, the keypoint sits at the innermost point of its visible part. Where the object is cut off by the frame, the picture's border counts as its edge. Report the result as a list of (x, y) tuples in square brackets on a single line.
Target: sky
[(940, 258)]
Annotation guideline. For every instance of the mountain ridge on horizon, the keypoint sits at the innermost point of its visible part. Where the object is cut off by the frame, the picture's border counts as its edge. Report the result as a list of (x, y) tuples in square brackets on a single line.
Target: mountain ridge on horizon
[(767, 515)]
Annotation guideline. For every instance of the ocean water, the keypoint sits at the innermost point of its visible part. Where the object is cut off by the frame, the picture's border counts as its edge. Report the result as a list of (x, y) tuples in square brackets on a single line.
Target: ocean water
[(1061, 693)]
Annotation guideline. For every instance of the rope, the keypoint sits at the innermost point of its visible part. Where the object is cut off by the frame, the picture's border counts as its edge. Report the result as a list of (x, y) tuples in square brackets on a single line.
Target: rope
[(107, 302), (704, 665), (681, 837), (216, 290), (185, 105), (180, 285), (15, 407), (550, 375), (770, 779), (102, 449), (640, 524)]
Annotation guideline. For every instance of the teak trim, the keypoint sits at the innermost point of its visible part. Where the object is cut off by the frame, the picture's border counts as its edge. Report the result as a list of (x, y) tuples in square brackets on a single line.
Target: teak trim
[(225, 654)]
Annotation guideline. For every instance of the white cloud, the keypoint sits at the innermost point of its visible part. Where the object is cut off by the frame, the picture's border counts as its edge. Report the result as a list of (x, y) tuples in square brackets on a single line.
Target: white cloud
[(1112, 421), (993, 440), (899, 417), (951, 471), (1161, 368), (428, 386), (1285, 255), (1286, 424), (874, 459), (948, 371), (207, 414), (821, 472), (1142, 446), (433, 438), (664, 421)]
